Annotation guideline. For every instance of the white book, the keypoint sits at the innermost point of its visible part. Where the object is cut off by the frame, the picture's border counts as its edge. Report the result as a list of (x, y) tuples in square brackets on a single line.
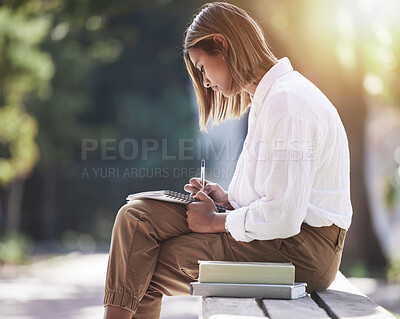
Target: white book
[(169, 196), (295, 291)]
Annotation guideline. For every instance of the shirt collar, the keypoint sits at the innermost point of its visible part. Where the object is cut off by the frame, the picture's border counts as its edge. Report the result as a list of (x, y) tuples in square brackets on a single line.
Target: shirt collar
[(282, 67)]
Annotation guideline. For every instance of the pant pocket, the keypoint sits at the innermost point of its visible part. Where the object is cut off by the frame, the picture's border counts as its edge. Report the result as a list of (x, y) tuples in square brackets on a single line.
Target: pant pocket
[(294, 241), (340, 240)]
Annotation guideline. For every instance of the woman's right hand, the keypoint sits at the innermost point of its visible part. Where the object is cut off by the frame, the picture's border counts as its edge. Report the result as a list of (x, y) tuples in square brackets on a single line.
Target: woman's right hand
[(213, 190)]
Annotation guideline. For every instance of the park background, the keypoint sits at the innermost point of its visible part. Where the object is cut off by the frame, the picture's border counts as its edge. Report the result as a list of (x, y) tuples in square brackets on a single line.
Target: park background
[(95, 104)]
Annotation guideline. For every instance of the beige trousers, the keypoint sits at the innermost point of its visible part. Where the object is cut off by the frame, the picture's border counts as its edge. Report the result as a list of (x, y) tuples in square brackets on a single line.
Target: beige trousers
[(153, 252)]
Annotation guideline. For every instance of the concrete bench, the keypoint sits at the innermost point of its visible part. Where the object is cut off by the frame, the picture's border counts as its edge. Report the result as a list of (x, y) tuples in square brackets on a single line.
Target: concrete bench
[(340, 300)]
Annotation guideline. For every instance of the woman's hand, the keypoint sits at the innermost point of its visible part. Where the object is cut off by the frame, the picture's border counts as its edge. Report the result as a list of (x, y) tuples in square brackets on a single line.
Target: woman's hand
[(213, 190), (202, 216)]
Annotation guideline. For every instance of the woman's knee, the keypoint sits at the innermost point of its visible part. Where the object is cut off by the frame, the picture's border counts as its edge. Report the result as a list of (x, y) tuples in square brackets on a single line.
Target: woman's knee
[(136, 210), (125, 214)]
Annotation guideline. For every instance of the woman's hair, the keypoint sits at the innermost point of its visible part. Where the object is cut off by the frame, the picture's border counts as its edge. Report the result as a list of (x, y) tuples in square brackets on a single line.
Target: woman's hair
[(246, 54)]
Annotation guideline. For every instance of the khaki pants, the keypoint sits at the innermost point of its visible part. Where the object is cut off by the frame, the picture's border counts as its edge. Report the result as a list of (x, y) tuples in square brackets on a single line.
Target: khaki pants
[(153, 252)]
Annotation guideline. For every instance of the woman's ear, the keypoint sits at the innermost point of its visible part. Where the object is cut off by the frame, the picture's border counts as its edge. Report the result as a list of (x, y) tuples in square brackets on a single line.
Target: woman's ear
[(221, 40)]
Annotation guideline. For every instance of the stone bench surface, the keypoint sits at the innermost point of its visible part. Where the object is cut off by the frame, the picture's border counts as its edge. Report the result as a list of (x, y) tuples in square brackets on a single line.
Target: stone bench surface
[(341, 300)]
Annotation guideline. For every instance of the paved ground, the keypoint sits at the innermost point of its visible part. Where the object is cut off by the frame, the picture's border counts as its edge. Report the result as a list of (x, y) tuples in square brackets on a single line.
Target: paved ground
[(71, 287)]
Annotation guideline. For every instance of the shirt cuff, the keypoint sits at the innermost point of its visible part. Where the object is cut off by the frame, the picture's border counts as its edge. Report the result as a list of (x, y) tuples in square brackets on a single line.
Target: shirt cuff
[(232, 202), (235, 221)]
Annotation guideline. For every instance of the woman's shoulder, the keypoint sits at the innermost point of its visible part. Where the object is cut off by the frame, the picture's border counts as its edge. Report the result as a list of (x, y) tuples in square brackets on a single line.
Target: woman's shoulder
[(294, 95)]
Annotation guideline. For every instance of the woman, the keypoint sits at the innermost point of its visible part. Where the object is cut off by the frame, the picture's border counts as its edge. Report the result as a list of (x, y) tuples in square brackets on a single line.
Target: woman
[(288, 201)]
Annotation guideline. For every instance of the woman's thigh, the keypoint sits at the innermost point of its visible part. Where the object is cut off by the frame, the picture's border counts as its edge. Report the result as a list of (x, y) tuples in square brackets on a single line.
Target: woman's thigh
[(315, 252), (178, 258), (163, 219)]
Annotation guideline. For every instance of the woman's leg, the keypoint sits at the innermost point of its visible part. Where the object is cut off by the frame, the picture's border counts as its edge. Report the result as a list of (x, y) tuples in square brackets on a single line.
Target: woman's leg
[(177, 266), (315, 252), (116, 312), (151, 255), (139, 228)]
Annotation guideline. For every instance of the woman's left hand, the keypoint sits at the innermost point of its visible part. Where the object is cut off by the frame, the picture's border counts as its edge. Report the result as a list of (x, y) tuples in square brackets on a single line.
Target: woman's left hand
[(202, 217)]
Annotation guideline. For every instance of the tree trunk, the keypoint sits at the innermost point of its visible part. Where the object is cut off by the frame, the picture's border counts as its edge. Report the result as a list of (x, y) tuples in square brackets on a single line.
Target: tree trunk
[(14, 201), (49, 204)]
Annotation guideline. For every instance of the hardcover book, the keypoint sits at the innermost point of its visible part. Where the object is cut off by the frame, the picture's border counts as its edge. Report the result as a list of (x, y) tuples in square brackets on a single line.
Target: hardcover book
[(246, 272), (294, 291)]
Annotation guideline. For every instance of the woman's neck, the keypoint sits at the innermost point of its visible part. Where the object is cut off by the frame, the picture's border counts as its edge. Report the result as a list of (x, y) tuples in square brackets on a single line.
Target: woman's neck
[(251, 88)]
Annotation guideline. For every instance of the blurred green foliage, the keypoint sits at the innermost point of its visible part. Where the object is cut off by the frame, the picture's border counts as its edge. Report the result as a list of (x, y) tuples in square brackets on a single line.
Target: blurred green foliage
[(24, 70), (356, 269), (76, 69), (19, 154), (369, 36), (393, 270), (15, 248)]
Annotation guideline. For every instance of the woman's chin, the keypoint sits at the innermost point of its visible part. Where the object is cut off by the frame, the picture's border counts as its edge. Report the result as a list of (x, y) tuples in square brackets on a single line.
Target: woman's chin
[(230, 93), (226, 93)]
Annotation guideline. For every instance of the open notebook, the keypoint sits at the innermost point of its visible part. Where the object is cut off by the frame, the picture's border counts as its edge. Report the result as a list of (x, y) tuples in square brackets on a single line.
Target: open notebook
[(170, 196)]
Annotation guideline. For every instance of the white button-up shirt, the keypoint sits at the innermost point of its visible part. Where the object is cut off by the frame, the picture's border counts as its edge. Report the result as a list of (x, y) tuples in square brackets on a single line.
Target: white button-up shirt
[(294, 166)]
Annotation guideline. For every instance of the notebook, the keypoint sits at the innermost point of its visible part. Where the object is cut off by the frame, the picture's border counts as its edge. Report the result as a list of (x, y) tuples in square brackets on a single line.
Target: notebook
[(170, 196), (246, 272), (294, 291)]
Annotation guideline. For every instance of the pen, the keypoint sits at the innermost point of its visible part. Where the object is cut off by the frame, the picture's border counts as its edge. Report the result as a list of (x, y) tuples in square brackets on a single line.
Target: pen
[(202, 172)]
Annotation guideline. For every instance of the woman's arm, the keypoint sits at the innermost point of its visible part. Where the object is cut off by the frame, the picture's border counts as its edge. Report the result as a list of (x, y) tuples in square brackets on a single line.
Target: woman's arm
[(283, 176), (202, 216)]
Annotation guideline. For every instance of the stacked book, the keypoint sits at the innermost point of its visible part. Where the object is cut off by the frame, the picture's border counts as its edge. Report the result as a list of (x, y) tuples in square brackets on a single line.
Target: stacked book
[(247, 279)]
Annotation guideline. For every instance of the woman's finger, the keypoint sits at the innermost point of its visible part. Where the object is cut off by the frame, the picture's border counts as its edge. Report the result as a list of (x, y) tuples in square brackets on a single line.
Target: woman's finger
[(190, 189), (195, 182), (211, 187)]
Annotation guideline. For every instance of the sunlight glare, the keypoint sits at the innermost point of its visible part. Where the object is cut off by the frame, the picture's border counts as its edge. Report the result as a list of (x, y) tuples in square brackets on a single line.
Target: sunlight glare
[(373, 84), (345, 53), (345, 25), (397, 155), (60, 31), (398, 174), (387, 58), (382, 34)]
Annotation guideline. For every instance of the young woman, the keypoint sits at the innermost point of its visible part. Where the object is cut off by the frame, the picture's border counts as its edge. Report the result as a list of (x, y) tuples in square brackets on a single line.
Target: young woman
[(289, 199)]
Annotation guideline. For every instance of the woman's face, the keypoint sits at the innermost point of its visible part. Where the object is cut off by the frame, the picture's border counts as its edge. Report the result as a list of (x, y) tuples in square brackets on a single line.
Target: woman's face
[(214, 69)]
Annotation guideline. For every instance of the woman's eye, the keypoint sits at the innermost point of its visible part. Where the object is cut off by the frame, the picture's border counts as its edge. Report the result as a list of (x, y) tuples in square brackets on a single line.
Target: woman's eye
[(202, 69)]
